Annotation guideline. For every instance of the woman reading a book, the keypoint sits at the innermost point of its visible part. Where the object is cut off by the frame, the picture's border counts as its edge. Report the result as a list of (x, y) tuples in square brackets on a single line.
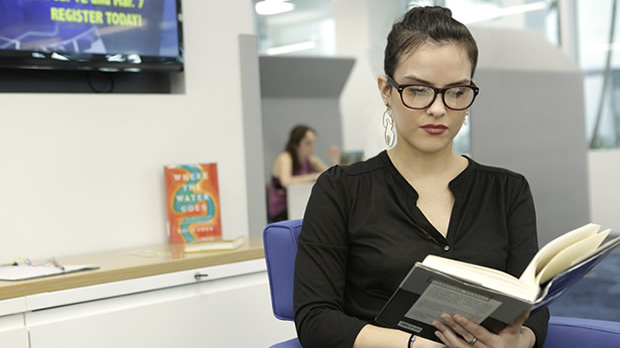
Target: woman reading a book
[(295, 165), (365, 225)]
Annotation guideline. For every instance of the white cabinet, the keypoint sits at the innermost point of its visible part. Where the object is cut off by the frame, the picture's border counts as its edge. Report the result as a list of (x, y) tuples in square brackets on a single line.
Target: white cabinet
[(226, 312), (13, 332)]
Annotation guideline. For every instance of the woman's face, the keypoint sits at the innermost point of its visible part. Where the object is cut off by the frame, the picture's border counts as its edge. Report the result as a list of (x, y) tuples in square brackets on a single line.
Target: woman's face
[(429, 130), (306, 145)]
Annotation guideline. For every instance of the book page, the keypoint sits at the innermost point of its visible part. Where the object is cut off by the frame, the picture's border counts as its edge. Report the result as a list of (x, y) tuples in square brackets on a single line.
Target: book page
[(547, 252), (562, 281), (439, 298), (570, 255), (484, 276)]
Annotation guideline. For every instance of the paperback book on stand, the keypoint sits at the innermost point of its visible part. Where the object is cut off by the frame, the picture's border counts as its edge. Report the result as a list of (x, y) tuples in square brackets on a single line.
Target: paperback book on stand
[(193, 203), (215, 245), (490, 297)]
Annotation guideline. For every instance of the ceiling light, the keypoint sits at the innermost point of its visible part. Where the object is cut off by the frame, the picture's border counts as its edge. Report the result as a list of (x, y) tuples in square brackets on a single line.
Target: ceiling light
[(270, 7)]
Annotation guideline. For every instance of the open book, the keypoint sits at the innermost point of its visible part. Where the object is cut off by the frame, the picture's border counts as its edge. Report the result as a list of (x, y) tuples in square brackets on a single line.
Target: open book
[(493, 298)]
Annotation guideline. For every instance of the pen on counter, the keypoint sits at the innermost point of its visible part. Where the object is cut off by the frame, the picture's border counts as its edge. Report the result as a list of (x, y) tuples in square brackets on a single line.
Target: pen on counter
[(27, 262), (57, 264)]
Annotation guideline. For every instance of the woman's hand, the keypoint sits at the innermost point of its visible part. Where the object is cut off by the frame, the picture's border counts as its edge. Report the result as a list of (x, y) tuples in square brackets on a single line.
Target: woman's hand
[(476, 336), (334, 154)]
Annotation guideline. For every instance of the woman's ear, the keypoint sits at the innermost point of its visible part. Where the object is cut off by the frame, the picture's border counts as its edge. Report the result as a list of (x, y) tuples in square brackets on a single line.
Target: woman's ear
[(385, 89)]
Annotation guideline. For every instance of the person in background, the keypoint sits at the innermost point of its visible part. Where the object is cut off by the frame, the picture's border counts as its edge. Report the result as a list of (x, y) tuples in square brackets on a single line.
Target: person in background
[(295, 165), (366, 224)]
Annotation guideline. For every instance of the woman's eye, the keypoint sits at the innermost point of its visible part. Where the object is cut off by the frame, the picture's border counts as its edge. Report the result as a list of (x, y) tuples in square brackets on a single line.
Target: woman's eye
[(456, 92)]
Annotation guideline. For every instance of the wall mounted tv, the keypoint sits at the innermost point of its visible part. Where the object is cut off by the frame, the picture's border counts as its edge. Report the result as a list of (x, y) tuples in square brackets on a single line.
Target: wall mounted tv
[(104, 35)]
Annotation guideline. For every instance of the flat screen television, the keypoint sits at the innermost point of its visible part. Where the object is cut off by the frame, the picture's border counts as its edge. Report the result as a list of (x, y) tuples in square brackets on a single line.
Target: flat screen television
[(104, 35)]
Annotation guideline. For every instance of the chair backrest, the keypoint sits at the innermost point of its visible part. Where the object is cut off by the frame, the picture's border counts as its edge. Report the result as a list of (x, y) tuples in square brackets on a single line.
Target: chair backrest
[(280, 242)]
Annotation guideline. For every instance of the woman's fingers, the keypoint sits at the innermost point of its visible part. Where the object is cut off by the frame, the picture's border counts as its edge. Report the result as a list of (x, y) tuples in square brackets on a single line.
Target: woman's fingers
[(446, 334), (456, 327), (456, 330)]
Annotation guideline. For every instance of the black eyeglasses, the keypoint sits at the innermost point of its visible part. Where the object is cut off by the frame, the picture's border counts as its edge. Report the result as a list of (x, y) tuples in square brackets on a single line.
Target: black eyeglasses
[(417, 96)]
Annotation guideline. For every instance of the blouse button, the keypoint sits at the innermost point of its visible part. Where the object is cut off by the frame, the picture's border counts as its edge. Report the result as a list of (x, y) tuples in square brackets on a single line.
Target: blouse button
[(446, 248)]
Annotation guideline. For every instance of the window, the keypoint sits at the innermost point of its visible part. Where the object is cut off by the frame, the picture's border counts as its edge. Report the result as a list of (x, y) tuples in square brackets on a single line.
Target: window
[(300, 27), (593, 27)]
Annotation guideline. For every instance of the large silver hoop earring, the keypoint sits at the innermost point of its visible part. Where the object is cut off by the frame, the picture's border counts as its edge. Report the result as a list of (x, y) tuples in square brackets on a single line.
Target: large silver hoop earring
[(388, 124)]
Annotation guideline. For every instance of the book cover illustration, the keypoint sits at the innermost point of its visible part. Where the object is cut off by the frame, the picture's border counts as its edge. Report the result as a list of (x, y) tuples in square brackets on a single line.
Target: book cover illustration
[(192, 203)]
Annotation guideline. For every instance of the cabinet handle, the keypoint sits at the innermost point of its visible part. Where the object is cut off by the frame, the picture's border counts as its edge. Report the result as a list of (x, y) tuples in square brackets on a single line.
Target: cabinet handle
[(199, 275)]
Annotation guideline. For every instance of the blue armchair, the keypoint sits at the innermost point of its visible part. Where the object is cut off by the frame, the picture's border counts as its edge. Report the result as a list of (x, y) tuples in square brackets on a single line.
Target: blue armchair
[(280, 242)]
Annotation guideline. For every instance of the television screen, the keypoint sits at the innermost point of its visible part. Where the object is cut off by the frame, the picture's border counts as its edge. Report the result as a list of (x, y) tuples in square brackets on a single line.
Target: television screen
[(106, 35)]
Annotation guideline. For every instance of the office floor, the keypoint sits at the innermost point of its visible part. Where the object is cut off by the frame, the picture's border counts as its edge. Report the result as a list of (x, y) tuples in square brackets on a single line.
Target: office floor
[(597, 296)]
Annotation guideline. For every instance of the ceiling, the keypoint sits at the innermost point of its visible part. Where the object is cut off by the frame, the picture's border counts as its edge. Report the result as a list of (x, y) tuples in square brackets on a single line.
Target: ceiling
[(305, 11)]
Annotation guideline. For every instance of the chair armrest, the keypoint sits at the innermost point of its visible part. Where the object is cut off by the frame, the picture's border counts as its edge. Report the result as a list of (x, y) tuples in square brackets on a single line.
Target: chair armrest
[(566, 332)]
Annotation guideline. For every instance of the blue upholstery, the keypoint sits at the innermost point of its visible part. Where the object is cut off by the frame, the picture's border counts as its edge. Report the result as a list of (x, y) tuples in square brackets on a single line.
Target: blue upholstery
[(292, 343), (565, 332), (280, 242)]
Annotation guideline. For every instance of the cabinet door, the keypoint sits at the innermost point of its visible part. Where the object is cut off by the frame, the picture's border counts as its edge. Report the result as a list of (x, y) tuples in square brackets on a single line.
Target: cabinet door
[(241, 317), (13, 332), (229, 312)]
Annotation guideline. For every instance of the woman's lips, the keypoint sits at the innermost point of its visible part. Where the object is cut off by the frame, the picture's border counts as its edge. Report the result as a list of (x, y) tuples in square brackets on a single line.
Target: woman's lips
[(434, 129)]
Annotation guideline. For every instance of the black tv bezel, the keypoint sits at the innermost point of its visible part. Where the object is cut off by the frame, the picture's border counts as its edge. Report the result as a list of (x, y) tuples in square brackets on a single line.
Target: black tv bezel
[(43, 60)]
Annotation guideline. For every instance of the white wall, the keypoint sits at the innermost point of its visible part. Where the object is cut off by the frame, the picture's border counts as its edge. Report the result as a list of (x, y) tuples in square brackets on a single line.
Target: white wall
[(361, 30), (603, 174), (362, 27), (82, 173)]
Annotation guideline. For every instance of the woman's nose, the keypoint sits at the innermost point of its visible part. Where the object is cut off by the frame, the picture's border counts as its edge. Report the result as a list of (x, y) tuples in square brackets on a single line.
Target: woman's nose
[(437, 108)]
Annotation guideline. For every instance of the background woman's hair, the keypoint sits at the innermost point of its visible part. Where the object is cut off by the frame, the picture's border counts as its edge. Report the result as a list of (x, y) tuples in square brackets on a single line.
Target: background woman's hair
[(297, 133), (432, 24)]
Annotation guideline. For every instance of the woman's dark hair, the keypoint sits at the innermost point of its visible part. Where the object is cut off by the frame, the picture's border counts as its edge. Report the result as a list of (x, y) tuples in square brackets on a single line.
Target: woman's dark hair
[(432, 24), (297, 133)]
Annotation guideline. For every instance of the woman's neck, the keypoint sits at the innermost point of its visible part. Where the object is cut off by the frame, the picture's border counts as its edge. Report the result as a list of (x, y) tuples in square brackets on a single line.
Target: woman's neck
[(302, 159), (415, 164)]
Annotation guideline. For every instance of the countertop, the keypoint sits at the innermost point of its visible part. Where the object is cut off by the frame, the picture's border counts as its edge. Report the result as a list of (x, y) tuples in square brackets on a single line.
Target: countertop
[(127, 264)]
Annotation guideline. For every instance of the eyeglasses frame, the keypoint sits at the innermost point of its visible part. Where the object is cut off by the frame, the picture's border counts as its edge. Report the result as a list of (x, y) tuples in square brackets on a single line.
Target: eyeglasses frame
[(401, 88)]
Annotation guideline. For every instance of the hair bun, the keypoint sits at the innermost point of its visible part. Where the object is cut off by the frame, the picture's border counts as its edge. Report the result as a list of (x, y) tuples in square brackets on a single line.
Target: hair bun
[(423, 24), (431, 11)]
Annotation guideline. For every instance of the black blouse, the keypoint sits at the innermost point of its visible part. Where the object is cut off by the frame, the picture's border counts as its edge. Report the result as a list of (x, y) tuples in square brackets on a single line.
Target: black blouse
[(362, 233)]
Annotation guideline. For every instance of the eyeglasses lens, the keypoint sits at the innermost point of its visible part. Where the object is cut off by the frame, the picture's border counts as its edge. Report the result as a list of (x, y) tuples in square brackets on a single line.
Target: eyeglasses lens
[(419, 97)]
